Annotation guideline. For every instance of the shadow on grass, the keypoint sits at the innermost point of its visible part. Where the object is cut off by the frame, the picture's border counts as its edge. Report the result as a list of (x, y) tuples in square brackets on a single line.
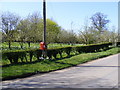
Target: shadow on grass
[(21, 63), (36, 61)]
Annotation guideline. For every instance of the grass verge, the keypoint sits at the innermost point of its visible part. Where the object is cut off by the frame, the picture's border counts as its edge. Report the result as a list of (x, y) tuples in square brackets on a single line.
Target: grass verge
[(24, 70)]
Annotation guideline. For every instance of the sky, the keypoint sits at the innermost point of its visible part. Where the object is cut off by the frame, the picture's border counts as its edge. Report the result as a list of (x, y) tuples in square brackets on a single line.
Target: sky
[(69, 15)]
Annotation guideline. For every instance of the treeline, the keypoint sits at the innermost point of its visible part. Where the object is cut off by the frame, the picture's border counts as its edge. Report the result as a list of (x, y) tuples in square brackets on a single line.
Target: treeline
[(30, 29)]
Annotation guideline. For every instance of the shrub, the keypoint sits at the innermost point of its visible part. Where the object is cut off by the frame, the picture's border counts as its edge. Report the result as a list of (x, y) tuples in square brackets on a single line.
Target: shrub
[(38, 53), (118, 44), (13, 55), (67, 50), (52, 52), (35, 52), (60, 51), (80, 49), (31, 53)]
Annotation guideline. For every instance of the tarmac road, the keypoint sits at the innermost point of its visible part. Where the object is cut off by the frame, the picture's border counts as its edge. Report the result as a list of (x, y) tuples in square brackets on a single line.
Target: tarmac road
[(100, 73)]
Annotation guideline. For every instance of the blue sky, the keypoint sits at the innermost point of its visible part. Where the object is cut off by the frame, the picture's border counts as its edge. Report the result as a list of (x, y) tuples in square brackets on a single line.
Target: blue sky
[(66, 12)]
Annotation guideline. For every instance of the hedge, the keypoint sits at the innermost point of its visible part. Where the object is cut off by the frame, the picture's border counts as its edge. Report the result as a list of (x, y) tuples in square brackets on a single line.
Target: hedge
[(118, 44), (14, 55)]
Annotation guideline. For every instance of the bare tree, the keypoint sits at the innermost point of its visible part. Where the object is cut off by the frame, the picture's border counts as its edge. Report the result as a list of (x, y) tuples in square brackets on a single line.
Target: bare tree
[(9, 24), (88, 36), (99, 21)]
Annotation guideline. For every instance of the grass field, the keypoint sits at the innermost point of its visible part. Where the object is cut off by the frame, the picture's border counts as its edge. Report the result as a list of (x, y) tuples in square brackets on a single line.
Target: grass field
[(16, 45), (51, 65)]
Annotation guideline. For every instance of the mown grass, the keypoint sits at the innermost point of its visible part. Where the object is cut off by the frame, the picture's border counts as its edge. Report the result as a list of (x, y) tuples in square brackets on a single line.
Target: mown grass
[(51, 65), (16, 45)]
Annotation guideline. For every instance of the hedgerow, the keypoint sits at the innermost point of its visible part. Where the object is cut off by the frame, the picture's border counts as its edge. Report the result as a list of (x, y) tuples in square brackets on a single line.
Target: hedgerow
[(118, 44), (14, 55)]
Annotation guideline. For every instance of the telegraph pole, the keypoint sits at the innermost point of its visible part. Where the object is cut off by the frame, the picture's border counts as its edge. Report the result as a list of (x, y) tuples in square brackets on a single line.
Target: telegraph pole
[(44, 20), (44, 32)]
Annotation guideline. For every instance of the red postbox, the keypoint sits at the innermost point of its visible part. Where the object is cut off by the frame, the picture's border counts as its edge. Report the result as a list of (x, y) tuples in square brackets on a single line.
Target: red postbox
[(42, 46)]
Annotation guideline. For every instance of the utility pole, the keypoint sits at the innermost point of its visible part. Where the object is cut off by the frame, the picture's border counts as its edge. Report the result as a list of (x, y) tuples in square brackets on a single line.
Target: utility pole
[(44, 20), (44, 32)]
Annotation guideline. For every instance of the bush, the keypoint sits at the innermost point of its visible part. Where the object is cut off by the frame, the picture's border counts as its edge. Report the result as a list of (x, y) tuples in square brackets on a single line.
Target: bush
[(35, 52), (13, 55), (118, 44), (67, 50), (54, 52), (38, 53)]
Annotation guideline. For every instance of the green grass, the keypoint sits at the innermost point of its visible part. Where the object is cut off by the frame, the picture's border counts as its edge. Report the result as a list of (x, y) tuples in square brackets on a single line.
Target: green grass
[(16, 45), (50, 65)]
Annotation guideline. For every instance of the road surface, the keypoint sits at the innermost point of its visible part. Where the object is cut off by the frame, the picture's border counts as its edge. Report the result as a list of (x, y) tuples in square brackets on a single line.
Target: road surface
[(100, 73)]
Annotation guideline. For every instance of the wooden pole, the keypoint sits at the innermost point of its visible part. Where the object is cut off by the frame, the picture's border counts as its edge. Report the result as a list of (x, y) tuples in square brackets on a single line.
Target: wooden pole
[(44, 33), (44, 20)]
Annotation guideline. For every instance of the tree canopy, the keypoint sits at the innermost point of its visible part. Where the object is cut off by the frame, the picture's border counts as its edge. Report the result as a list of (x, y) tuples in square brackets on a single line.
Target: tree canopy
[(30, 29)]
